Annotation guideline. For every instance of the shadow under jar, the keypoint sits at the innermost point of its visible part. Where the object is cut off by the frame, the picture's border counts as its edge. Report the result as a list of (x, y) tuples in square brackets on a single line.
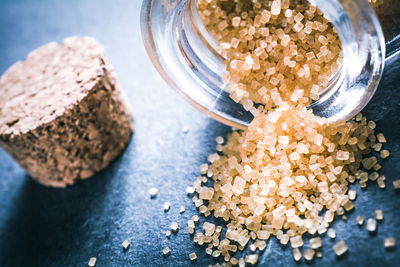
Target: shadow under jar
[(186, 55)]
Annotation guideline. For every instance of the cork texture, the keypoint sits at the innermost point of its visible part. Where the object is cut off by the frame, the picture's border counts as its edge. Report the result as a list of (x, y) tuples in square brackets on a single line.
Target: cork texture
[(62, 115)]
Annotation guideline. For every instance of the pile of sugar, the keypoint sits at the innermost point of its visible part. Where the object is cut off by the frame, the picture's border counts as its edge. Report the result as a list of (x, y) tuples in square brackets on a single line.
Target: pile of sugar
[(289, 172), (273, 48)]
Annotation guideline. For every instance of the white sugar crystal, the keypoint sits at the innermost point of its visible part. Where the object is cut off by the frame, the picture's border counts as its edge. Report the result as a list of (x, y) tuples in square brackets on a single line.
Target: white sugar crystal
[(153, 192), (181, 209), (315, 243), (92, 261), (296, 254), (174, 227), (352, 194), (166, 206), (126, 244), (219, 140), (340, 248), (190, 190), (166, 251), (309, 254), (371, 225), (331, 233)]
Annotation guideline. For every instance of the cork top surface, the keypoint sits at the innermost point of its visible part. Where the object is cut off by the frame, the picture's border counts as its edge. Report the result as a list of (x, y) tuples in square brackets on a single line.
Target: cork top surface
[(49, 81)]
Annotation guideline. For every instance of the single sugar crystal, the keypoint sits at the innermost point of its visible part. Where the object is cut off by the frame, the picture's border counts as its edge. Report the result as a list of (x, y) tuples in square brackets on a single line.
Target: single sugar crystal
[(309, 254), (331, 233), (174, 227), (219, 140), (389, 242), (371, 225), (360, 220), (92, 261), (340, 248), (192, 256), (378, 215), (168, 233), (181, 209), (126, 244), (352, 194), (166, 206), (385, 153), (396, 184), (315, 243), (190, 190), (153, 192), (166, 251), (252, 259), (296, 254)]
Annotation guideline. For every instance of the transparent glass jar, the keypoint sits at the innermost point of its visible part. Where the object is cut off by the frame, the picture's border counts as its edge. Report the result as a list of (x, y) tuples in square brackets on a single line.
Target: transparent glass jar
[(185, 54)]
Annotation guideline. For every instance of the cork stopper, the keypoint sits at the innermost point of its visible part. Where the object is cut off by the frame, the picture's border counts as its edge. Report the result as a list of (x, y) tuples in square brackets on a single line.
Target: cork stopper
[(62, 115)]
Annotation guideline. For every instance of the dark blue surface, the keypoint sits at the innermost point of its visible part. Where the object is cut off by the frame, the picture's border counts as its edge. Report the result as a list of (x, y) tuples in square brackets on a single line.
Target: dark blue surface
[(51, 227)]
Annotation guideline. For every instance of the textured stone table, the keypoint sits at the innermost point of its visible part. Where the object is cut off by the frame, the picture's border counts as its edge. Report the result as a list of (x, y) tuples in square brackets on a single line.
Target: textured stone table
[(51, 227)]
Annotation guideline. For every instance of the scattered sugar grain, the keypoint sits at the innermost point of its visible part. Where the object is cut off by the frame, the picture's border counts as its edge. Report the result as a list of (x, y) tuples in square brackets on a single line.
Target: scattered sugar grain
[(251, 259), (167, 206), (315, 242), (168, 233), (352, 194), (195, 219), (385, 153), (166, 251), (190, 190), (371, 225), (331, 233), (181, 209), (153, 192), (381, 182), (174, 227), (220, 140), (381, 138), (389, 242), (126, 244), (396, 184), (92, 261), (193, 256), (296, 254), (340, 248), (378, 215), (360, 220), (309, 254)]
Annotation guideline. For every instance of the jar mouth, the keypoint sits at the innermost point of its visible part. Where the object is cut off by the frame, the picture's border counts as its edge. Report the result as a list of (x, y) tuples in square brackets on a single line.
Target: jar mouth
[(186, 55)]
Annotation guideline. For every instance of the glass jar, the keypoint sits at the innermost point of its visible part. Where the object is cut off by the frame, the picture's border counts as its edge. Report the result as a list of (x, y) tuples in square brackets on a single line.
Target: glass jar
[(185, 54)]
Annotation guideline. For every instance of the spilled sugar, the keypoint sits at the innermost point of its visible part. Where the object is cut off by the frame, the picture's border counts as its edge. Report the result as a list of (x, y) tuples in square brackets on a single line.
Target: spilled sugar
[(289, 172)]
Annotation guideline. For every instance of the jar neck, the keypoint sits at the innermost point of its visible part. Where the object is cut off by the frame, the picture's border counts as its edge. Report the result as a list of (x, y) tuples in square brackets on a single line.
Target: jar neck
[(186, 56)]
